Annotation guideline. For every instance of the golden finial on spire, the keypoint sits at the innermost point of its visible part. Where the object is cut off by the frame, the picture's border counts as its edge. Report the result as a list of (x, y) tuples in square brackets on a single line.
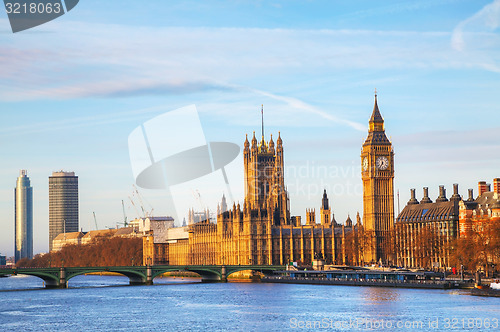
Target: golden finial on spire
[(375, 92)]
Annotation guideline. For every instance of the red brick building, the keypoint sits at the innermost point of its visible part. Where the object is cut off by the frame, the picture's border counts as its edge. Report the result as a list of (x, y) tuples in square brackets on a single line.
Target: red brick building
[(474, 213)]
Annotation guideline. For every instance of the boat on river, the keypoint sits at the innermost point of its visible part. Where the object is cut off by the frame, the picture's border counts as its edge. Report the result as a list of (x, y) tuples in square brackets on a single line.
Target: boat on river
[(377, 278), (493, 289)]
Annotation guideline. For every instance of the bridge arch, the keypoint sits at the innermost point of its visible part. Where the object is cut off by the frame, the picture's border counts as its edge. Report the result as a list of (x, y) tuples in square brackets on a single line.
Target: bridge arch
[(135, 277), (207, 273), (264, 269), (58, 277), (51, 280)]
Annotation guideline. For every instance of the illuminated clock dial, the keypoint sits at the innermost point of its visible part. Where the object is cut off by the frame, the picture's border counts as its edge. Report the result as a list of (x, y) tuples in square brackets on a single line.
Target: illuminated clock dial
[(365, 163), (382, 163)]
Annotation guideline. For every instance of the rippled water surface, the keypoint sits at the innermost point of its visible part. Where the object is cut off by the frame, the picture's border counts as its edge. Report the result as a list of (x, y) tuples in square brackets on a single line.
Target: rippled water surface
[(106, 303)]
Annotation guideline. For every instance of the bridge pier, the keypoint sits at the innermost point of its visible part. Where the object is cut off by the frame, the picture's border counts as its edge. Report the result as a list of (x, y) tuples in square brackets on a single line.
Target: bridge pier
[(137, 280), (62, 278), (53, 283), (214, 277), (149, 275), (223, 274)]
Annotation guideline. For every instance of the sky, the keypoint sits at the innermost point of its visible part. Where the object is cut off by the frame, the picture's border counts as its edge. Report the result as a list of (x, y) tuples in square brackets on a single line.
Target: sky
[(74, 89)]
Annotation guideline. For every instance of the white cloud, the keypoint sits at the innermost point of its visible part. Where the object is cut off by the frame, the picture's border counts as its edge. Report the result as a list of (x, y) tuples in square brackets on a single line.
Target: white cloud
[(487, 19), (300, 105), (111, 60)]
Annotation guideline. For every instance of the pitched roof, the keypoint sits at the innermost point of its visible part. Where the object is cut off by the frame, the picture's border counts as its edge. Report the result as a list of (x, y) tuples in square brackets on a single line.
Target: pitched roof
[(126, 231), (377, 137), (376, 116), (483, 202), (102, 232), (69, 236), (161, 218), (426, 212)]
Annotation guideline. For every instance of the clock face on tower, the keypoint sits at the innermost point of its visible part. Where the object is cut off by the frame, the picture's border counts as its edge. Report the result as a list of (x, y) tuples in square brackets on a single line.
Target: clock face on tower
[(365, 164), (382, 163)]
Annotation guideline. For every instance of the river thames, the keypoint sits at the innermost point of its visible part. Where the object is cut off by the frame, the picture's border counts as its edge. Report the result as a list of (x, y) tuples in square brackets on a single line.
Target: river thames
[(96, 303)]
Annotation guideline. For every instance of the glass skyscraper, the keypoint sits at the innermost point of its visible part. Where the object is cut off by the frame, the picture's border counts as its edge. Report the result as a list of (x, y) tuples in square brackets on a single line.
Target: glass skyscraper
[(63, 204), (23, 217)]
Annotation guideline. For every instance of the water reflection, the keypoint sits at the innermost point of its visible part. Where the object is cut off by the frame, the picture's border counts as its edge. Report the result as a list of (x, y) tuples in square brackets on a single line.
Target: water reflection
[(105, 303), (380, 295)]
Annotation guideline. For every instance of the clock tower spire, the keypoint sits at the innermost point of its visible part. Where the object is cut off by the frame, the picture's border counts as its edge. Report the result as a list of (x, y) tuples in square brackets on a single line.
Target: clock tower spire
[(377, 173)]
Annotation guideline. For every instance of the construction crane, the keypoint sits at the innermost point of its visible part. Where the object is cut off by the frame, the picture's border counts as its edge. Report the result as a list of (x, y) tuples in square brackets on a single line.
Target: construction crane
[(136, 192), (197, 196), (124, 215), (139, 196), (95, 220), (135, 207), (203, 208)]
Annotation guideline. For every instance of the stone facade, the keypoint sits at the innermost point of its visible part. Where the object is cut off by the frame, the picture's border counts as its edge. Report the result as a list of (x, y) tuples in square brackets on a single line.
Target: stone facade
[(261, 230), (476, 213), (425, 230), (66, 238), (377, 173)]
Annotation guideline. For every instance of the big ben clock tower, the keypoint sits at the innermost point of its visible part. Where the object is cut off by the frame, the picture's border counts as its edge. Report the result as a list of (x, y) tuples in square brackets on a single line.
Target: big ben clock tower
[(377, 173)]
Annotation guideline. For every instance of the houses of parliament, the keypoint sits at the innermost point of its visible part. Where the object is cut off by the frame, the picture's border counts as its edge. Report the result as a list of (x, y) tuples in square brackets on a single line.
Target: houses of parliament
[(261, 230)]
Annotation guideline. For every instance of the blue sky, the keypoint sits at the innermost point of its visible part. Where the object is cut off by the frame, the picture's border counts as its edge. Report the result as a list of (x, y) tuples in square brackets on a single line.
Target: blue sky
[(72, 91)]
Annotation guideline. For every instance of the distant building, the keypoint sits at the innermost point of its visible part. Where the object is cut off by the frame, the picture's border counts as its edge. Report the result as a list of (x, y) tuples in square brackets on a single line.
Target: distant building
[(425, 230), (159, 245), (128, 232), (3, 260), (476, 213), (259, 232), (93, 235), (63, 204), (85, 238), (66, 238), (23, 217), (196, 217)]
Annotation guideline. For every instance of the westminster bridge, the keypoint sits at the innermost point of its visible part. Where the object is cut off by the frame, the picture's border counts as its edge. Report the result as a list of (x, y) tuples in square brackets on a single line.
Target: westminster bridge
[(57, 277)]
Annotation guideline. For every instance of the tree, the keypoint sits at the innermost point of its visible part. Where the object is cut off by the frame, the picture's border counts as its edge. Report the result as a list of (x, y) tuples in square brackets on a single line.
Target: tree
[(102, 251)]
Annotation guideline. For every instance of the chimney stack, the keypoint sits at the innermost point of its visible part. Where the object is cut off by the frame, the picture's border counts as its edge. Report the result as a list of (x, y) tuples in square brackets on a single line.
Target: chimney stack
[(496, 185), (471, 195), (483, 187), (412, 200), (456, 195), (426, 198), (442, 195)]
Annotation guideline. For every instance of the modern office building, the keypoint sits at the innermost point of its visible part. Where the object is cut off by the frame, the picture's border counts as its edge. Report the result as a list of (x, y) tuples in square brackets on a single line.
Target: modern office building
[(63, 204), (23, 217)]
